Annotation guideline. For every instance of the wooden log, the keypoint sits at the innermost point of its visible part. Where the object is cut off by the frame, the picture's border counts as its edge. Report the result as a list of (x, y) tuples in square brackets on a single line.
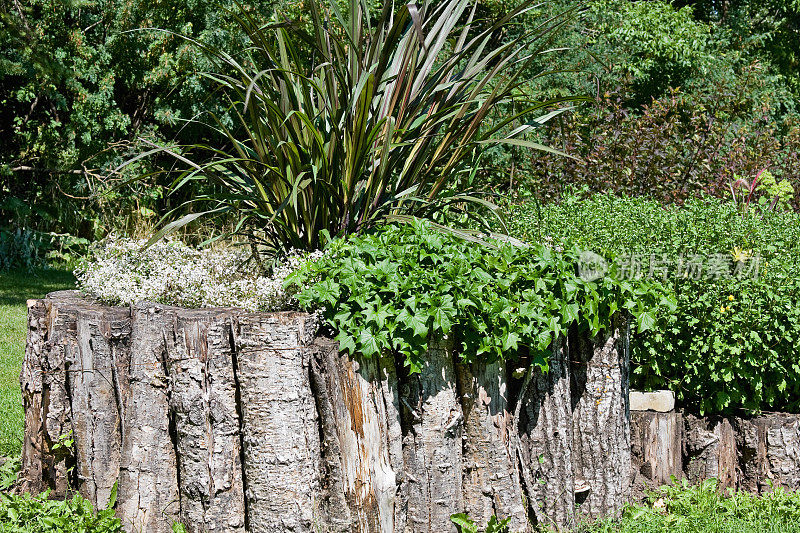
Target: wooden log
[(279, 422), (710, 450), (769, 452), (149, 498), (357, 445), (204, 406), (432, 438), (51, 342), (601, 452), (655, 448), (491, 484), (97, 383), (544, 416)]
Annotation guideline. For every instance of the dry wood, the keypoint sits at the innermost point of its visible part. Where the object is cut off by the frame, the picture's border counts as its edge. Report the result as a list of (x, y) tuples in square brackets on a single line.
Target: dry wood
[(601, 452), (279, 421), (545, 441), (656, 448), (203, 400), (97, 383), (356, 440), (769, 452), (432, 439), (710, 450), (491, 480), (148, 482)]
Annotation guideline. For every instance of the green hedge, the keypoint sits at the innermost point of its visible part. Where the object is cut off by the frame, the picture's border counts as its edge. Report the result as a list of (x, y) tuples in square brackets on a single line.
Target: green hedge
[(733, 342)]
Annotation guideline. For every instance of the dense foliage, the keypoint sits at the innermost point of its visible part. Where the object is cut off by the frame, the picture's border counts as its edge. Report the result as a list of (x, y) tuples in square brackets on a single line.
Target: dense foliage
[(732, 342), (397, 288)]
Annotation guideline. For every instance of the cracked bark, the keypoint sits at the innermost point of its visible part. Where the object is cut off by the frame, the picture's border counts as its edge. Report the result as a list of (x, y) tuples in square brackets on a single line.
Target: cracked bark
[(279, 421), (148, 497), (545, 441), (491, 480), (601, 449), (432, 439), (203, 400), (356, 440), (103, 336), (769, 452)]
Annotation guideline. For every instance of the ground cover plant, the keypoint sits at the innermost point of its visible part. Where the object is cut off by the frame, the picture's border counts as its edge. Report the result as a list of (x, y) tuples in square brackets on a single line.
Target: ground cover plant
[(732, 341), (121, 271), (393, 289), (682, 508), (16, 287)]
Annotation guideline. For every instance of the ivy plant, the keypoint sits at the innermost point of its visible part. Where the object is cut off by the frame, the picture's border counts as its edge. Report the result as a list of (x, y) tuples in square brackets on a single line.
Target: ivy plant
[(397, 288)]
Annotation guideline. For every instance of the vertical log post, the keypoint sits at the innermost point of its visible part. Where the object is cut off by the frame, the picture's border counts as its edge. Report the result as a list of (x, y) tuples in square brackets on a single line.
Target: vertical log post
[(656, 448), (432, 440), (710, 451), (203, 402), (148, 477), (98, 382), (491, 480), (769, 452), (279, 421), (601, 451), (544, 418)]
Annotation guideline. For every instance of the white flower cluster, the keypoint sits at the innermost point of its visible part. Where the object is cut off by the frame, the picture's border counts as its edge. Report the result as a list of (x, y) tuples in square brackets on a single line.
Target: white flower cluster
[(122, 271)]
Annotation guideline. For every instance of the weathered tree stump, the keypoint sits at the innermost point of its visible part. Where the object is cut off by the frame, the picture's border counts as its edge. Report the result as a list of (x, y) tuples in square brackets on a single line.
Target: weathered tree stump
[(710, 451), (225, 420), (769, 452), (601, 451)]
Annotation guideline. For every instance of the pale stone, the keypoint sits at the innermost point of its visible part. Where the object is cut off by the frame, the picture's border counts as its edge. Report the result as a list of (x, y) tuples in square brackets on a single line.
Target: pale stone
[(662, 401)]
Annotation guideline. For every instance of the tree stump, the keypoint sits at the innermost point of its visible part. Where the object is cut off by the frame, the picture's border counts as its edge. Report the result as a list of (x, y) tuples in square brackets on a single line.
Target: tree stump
[(601, 451), (225, 420), (655, 448), (710, 451), (769, 452)]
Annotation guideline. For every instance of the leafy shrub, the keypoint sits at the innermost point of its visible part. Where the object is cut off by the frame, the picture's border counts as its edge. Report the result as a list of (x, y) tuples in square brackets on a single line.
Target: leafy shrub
[(362, 121), (677, 147), (682, 508), (733, 341), (394, 289), (124, 271), (27, 514)]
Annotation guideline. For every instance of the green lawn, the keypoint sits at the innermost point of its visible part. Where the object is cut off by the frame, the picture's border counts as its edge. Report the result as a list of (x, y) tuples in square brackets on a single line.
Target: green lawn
[(15, 289)]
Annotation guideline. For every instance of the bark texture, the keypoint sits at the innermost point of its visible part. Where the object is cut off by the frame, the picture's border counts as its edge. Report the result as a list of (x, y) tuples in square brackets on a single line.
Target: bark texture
[(357, 441), (148, 477), (601, 457), (96, 392), (546, 441), (710, 451), (279, 423), (52, 341), (769, 452), (655, 449), (203, 402), (231, 421), (491, 484), (432, 438)]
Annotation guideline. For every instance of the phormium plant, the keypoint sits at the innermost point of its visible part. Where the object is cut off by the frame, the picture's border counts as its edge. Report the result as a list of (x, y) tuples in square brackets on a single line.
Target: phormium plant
[(359, 121)]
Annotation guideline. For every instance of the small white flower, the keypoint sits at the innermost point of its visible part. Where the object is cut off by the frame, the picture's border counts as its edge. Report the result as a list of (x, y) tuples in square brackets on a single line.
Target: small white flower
[(121, 271)]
